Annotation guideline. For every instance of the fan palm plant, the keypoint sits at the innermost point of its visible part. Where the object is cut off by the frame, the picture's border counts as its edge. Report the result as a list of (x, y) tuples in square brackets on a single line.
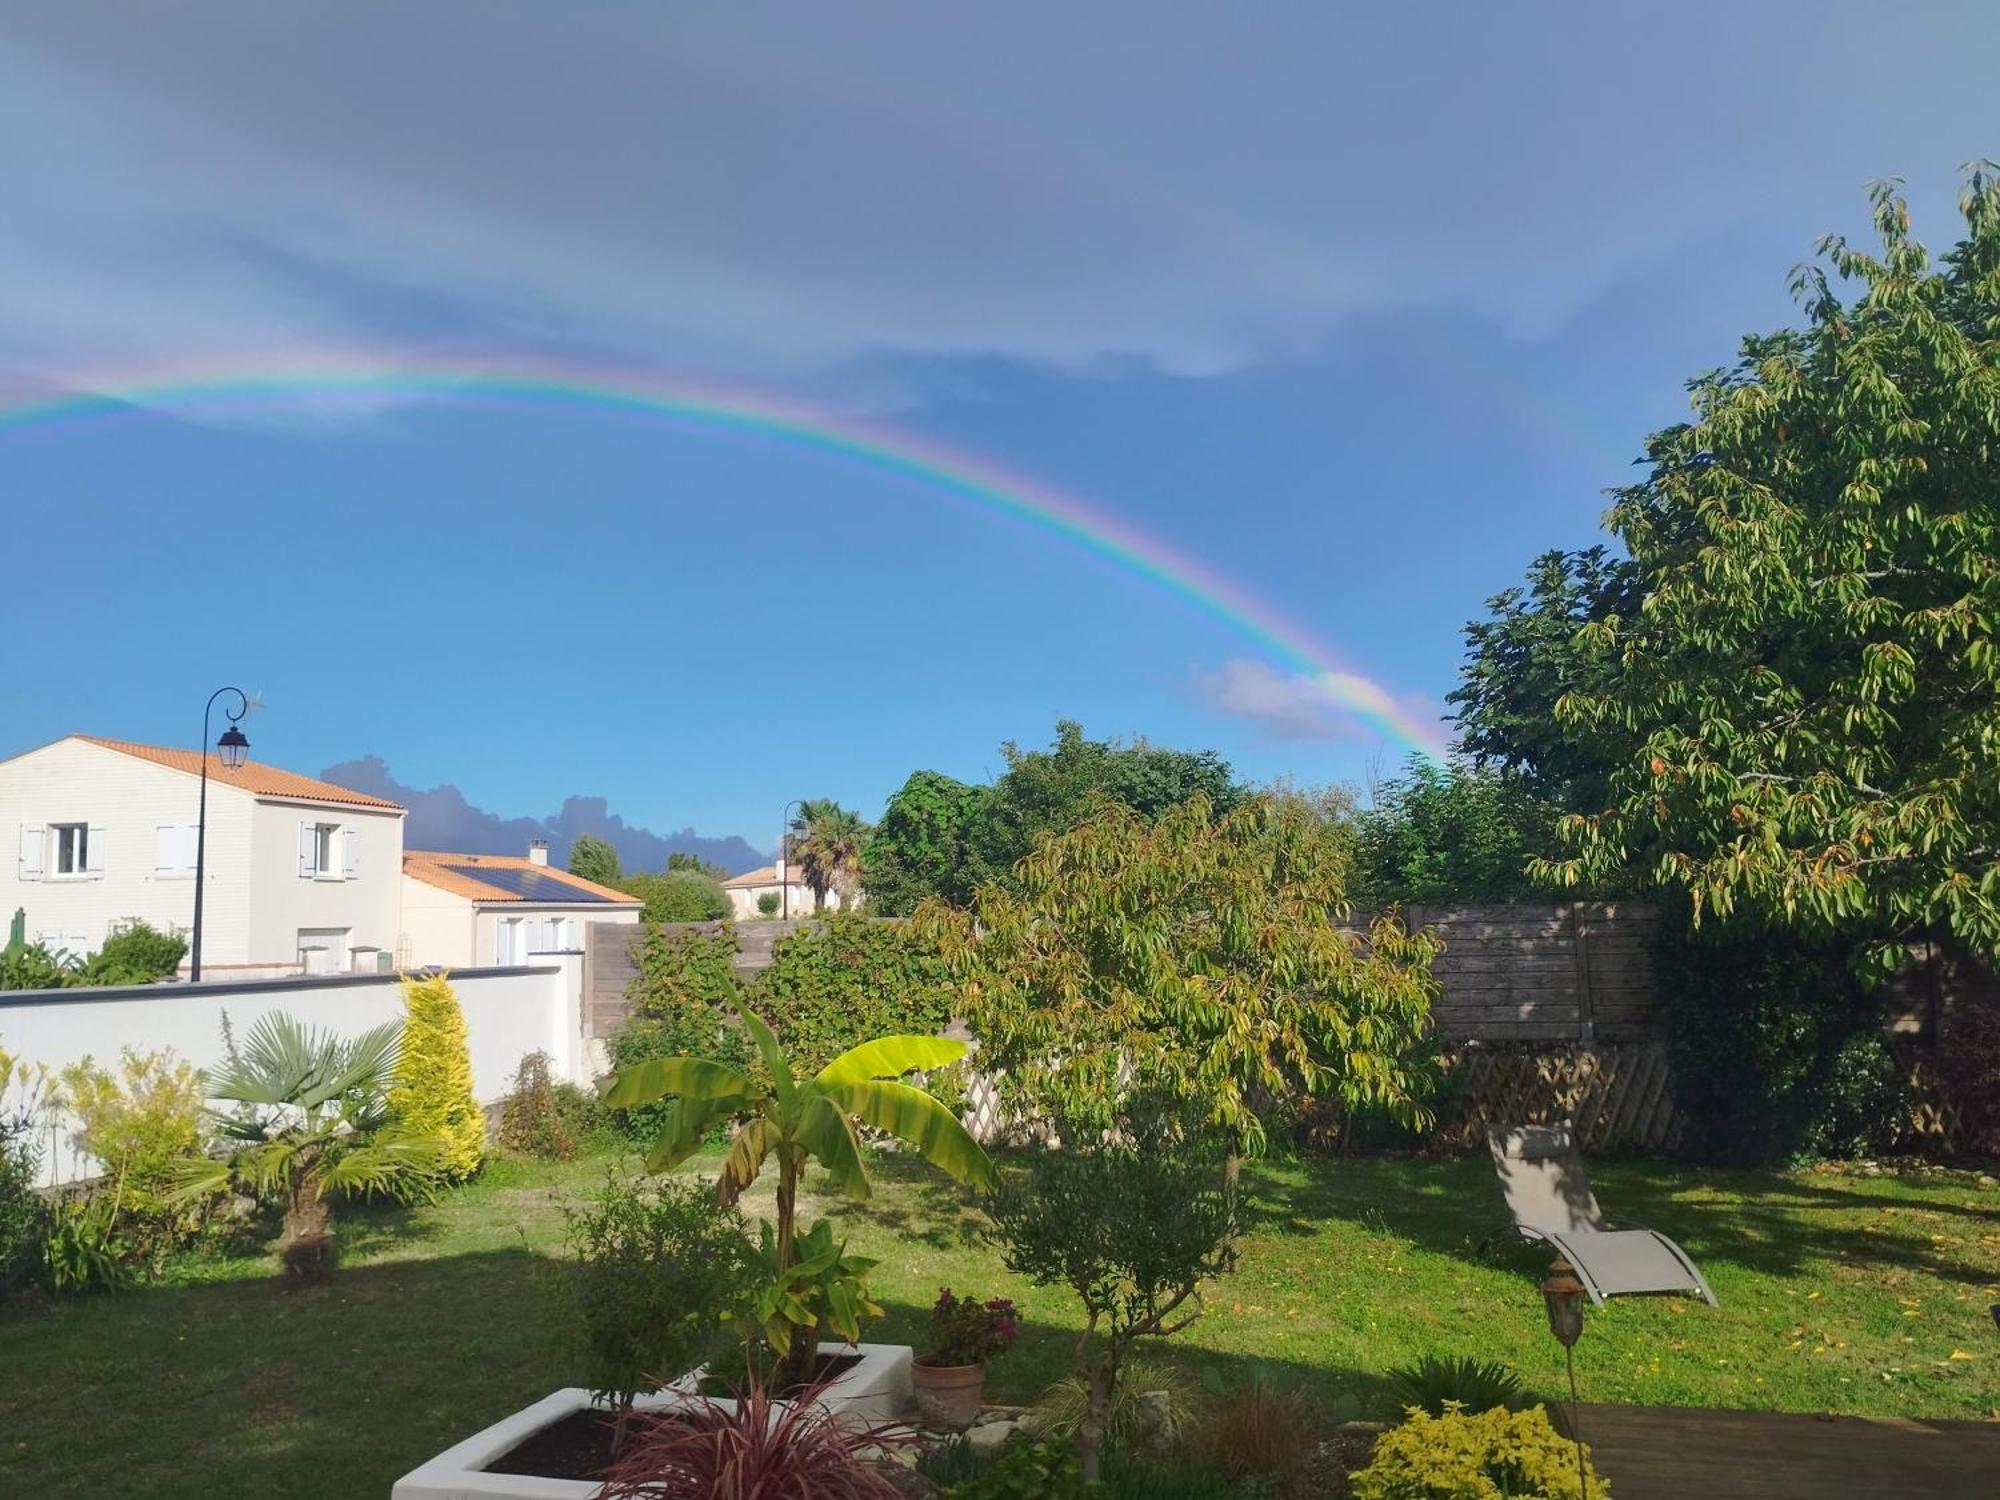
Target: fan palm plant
[(825, 842), (311, 1122), (794, 1120)]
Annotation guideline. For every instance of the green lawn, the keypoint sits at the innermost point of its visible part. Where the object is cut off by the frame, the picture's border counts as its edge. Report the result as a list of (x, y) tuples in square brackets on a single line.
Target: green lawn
[(1838, 1293)]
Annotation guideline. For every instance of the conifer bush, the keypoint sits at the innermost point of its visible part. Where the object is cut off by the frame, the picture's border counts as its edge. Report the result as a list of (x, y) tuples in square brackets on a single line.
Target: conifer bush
[(432, 1094)]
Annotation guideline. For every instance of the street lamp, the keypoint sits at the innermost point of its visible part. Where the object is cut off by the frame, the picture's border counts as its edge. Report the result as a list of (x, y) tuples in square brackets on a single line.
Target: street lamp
[(784, 846), (1562, 1295), (231, 748)]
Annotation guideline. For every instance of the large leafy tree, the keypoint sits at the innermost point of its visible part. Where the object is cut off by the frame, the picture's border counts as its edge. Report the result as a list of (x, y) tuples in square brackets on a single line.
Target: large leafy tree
[(942, 838), (1197, 955), (594, 859), (1449, 832), (925, 844), (825, 842), (1523, 658), (1802, 715), (312, 1123)]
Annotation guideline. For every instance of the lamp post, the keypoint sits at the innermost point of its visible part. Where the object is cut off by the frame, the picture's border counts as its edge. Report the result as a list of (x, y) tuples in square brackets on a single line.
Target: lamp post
[(784, 864), (1562, 1295), (230, 747)]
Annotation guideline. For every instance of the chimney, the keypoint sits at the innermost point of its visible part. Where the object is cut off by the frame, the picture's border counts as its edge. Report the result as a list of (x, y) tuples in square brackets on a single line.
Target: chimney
[(538, 851)]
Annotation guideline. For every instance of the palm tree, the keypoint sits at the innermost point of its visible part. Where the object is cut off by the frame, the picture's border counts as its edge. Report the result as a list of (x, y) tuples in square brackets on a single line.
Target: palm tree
[(824, 842), (312, 1122), (796, 1121)]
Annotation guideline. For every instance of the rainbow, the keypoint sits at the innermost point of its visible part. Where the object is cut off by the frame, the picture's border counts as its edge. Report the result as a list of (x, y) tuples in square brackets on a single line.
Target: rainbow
[(965, 478)]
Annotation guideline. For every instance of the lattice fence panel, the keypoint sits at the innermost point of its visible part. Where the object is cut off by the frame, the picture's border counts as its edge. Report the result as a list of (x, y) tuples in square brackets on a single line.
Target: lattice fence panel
[(1619, 1097)]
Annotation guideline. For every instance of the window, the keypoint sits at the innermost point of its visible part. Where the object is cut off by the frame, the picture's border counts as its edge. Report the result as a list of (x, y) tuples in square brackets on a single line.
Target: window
[(510, 941), (328, 853), (72, 848)]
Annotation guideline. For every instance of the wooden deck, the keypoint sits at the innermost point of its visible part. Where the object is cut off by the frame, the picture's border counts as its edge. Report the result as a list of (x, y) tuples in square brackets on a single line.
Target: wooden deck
[(1680, 1453)]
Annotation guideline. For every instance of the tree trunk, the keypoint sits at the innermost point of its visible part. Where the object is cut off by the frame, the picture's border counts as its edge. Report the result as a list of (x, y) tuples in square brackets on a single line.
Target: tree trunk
[(1232, 1177), (797, 1365), (305, 1243), (1096, 1419)]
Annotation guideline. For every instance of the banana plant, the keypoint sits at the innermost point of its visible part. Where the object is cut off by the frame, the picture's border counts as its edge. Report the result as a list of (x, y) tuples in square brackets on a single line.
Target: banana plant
[(794, 1120), (825, 1288)]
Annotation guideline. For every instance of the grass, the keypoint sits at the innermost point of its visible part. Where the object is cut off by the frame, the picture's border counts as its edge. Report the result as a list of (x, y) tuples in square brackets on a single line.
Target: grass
[(1838, 1294)]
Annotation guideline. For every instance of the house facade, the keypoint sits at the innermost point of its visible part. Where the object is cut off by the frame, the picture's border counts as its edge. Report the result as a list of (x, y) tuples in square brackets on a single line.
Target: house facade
[(302, 876), (467, 910), (781, 880)]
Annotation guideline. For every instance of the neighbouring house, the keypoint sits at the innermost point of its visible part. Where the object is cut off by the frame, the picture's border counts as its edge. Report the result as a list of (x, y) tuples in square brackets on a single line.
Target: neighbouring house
[(302, 876), (781, 880), (471, 910)]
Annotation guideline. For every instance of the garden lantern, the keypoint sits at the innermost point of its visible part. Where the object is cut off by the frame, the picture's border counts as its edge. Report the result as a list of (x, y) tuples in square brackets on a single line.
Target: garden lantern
[(1562, 1295)]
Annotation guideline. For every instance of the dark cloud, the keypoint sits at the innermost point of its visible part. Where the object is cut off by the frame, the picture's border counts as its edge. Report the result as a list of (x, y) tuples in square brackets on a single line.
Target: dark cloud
[(441, 818)]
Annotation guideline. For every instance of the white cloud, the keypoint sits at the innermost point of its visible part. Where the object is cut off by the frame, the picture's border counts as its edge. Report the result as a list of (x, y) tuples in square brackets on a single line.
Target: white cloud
[(1307, 705)]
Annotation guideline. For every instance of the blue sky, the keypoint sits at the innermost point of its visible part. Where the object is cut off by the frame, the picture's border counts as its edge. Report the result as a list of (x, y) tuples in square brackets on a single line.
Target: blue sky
[(1361, 309)]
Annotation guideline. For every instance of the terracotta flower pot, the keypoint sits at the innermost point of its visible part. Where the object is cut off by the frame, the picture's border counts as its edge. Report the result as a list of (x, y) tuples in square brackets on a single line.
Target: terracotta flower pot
[(948, 1396)]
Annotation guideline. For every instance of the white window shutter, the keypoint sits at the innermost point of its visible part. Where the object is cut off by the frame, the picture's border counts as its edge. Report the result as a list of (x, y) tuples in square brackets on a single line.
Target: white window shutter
[(93, 850), (34, 840), (308, 850), (167, 849), (350, 853)]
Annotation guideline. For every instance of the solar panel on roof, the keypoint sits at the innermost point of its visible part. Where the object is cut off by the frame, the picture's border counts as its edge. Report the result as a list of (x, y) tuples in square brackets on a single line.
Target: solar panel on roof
[(529, 885)]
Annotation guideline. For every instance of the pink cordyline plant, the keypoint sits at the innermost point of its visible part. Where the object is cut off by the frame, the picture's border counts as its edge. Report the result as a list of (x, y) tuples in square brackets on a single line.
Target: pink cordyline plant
[(752, 1448)]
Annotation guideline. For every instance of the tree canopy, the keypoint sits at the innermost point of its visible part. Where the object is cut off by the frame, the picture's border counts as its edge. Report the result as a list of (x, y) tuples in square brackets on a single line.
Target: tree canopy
[(1801, 712), (1450, 832), (1197, 954), (941, 837), (824, 842), (594, 859)]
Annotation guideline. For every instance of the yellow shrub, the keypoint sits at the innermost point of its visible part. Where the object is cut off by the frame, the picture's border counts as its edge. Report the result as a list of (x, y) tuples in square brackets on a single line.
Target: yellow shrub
[(432, 1094), (1491, 1455)]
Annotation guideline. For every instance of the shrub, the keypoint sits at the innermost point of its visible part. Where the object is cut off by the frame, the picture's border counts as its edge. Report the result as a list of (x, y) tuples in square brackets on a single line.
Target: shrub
[(86, 1251), (1967, 1061), (1262, 1439), (432, 1093), (770, 902), (1432, 1384), (1777, 1053), (967, 1331), (681, 1006), (1492, 1455), (1154, 1406), (753, 1447), (36, 966), (846, 978), (680, 896), (545, 1117), (140, 1123), (24, 1215), (652, 1277), (1031, 1471), (135, 952)]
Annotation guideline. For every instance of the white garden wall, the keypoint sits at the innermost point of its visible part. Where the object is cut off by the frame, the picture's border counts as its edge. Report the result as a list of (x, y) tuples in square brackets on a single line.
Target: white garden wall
[(508, 1012)]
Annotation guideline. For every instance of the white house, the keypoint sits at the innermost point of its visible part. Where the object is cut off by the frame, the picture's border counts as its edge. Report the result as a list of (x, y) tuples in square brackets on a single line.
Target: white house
[(302, 876), (462, 910), (780, 880)]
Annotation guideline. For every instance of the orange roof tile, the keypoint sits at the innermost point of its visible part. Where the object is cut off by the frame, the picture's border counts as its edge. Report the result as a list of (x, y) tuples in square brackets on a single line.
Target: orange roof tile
[(767, 875), (252, 776), (451, 872)]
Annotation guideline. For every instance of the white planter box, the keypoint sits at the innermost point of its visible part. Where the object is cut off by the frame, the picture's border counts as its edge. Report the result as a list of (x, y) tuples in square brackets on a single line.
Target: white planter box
[(876, 1390)]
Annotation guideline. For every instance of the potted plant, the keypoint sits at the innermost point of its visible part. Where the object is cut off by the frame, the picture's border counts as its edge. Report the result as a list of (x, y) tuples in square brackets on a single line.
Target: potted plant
[(950, 1381)]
